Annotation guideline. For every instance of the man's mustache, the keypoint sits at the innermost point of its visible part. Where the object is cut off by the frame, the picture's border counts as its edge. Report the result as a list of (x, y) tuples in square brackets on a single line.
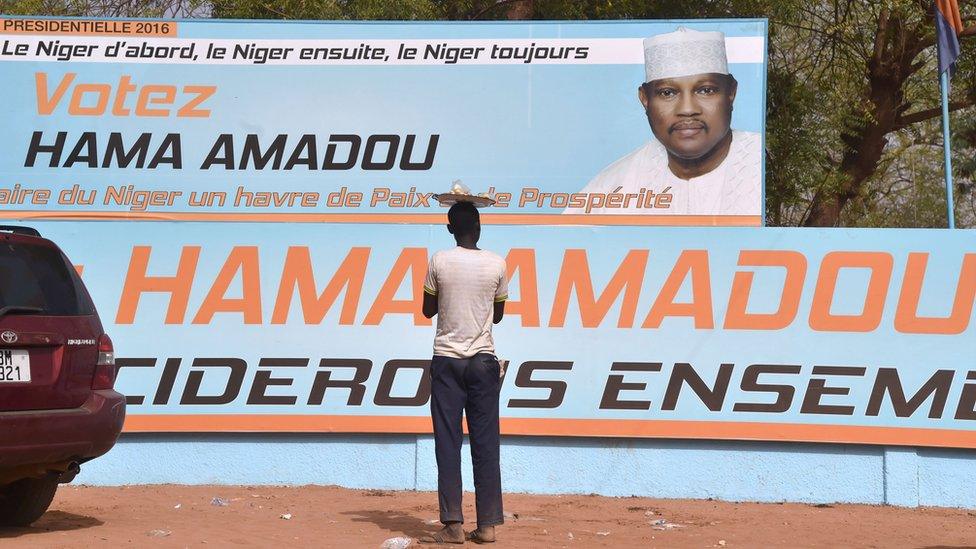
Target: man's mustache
[(690, 124)]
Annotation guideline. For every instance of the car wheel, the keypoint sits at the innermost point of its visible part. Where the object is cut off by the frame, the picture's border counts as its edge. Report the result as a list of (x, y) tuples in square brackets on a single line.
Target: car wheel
[(24, 501)]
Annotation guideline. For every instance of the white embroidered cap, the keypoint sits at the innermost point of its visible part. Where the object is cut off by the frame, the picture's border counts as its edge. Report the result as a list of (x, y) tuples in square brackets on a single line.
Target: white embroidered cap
[(683, 53)]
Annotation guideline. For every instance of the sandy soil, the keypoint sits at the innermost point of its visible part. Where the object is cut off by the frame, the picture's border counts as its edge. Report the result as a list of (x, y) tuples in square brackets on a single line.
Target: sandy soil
[(326, 516)]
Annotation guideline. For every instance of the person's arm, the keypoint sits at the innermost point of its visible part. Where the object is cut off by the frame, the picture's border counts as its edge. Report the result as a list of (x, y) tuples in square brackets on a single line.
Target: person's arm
[(430, 291), (430, 305), (501, 295), (499, 311)]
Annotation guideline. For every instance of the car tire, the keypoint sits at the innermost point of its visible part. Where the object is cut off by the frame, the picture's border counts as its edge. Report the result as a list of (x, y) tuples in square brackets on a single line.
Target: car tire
[(24, 501)]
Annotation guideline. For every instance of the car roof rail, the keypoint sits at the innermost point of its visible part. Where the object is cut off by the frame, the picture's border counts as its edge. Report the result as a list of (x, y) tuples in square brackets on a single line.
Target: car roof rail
[(18, 229)]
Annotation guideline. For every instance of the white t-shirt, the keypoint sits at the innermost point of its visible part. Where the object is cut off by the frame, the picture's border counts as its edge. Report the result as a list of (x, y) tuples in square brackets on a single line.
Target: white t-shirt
[(467, 284), (733, 188)]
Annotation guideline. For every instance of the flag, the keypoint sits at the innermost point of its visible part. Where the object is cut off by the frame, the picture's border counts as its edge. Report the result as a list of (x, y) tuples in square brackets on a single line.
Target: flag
[(948, 25)]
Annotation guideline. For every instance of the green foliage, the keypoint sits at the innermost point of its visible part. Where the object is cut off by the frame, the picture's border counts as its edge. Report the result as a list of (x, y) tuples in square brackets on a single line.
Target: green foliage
[(105, 8), (406, 10)]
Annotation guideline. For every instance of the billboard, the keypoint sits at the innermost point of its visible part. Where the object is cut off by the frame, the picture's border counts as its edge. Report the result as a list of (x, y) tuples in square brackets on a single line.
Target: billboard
[(222, 121), (250, 205), (863, 336)]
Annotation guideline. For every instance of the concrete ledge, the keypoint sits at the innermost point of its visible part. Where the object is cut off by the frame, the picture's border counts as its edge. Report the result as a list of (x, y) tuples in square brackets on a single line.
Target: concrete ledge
[(734, 471)]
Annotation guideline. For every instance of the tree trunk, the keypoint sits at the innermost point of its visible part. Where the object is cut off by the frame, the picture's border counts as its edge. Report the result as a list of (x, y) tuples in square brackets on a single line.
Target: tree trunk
[(891, 64), (520, 10)]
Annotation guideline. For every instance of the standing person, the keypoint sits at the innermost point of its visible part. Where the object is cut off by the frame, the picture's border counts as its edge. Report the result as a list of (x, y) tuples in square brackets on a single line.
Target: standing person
[(466, 288)]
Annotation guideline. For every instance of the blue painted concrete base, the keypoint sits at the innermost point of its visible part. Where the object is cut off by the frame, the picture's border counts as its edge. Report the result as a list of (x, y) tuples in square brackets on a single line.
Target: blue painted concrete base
[(735, 471)]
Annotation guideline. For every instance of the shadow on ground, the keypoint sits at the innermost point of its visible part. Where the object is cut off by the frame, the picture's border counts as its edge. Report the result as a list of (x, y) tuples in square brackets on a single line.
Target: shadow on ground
[(394, 521), (52, 521)]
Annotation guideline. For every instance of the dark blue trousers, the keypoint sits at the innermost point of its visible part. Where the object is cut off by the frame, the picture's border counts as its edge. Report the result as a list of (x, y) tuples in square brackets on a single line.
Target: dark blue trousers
[(470, 386)]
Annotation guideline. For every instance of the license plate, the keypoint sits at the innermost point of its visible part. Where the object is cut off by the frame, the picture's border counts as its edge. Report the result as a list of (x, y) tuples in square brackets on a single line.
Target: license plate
[(14, 366)]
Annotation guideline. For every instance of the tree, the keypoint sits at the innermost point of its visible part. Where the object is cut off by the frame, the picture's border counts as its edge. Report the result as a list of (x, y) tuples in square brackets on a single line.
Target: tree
[(106, 8), (880, 115)]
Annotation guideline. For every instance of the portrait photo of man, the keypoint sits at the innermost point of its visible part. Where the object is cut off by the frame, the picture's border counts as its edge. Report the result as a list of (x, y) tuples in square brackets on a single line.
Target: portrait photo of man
[(696, 163)]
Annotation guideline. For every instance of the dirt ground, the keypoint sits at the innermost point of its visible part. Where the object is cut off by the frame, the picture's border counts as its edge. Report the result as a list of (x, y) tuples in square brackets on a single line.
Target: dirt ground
[(327, 516)]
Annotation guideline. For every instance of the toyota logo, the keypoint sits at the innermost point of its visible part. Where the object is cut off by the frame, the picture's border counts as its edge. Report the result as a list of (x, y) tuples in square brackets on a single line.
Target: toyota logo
[(8, 337)]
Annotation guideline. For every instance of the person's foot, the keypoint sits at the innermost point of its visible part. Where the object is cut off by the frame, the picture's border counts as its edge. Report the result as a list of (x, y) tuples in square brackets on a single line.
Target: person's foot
[(450, 533), (484, 534)]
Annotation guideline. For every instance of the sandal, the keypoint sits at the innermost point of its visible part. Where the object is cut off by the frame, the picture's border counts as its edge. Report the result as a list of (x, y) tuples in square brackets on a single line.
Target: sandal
[(440, 537), (477, 537)]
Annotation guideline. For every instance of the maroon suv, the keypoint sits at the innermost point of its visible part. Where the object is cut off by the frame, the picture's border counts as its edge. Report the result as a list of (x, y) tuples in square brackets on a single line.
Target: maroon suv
[(58, 408)]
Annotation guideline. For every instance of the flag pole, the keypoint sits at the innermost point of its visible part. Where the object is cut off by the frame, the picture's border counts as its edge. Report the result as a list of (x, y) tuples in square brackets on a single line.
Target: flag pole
[(946, 146)]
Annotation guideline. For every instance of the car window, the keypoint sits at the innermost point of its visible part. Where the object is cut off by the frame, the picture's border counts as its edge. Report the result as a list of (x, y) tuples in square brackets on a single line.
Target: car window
[(40, 276)]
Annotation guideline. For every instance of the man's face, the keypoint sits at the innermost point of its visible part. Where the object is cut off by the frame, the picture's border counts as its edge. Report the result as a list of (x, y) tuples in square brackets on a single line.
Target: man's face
[(689, 115)]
